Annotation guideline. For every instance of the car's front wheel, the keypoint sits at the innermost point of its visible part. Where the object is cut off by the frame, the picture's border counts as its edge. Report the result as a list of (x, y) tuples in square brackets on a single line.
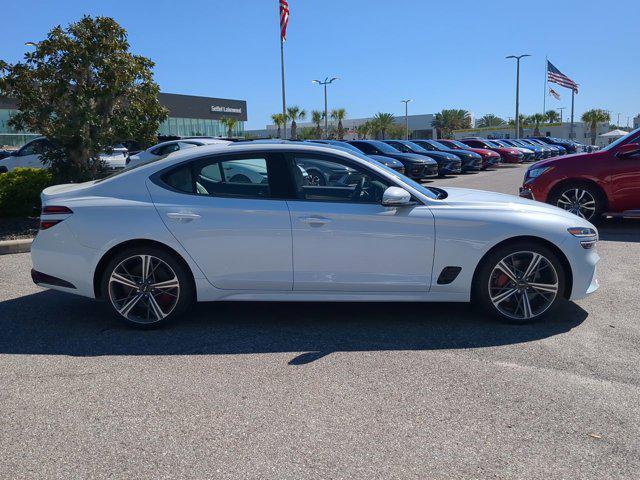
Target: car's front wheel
[(520, 282), (580, 199), (147, 286)]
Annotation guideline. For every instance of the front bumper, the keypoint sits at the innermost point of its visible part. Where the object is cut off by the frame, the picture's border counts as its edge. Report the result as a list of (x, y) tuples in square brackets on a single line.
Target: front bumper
[(525, 192), (450, 167), (471, 164)]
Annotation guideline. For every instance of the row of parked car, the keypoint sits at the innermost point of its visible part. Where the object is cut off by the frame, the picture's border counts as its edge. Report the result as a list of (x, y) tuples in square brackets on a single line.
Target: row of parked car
[(417, 159)]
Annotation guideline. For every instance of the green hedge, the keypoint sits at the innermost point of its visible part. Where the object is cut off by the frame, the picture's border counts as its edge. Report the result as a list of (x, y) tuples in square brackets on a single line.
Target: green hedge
[(20, 191)]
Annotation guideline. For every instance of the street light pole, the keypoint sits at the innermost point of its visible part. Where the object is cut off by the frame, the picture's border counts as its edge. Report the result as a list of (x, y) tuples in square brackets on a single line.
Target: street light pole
[(324, 83), (518, 57), (406, 117), (561, 109)]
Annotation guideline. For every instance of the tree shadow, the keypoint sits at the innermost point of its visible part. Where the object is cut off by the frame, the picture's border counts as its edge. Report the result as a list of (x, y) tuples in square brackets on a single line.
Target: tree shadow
[(620, 230), (54, 323)]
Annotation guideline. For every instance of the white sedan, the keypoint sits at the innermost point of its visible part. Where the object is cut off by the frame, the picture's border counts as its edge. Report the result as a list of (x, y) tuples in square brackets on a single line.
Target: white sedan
[(153, 239), (163, 149), (30, 156)]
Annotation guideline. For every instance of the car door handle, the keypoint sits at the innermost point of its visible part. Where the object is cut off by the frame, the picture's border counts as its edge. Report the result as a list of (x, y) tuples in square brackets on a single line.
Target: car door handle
[(182, 217), (315, 221)]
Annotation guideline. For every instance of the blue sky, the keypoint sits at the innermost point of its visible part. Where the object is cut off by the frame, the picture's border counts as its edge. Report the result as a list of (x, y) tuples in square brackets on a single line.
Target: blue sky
[(440, 54)]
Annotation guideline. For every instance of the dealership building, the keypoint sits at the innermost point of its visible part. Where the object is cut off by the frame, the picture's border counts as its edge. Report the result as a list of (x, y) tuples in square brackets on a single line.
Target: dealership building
[(189, 115)]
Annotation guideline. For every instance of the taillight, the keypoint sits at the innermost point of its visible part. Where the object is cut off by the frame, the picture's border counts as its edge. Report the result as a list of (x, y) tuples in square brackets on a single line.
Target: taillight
[(44, 224), (53, 210)]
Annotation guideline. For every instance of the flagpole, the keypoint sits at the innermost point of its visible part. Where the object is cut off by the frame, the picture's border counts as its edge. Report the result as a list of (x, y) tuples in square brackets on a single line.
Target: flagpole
[(544, 92), (284, 101), (573, 94)]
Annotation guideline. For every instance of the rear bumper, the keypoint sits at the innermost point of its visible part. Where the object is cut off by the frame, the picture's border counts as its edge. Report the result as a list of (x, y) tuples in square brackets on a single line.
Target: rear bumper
[(43, 279)]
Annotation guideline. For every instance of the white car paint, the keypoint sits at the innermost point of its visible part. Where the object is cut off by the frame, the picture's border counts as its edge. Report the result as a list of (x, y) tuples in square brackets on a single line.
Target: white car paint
[(28, 157), (296, 250), (158, 151)]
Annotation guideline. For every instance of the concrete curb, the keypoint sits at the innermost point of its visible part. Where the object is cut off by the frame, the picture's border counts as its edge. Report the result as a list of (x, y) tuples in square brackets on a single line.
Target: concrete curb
[(15, 246)]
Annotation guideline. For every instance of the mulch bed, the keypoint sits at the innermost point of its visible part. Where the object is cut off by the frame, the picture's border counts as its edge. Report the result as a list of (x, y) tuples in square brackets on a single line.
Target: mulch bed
[(17, 228)]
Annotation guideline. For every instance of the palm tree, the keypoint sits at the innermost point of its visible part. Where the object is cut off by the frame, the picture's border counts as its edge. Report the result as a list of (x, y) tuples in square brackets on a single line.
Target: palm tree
[(363, 130), (536, 119), (592, 118), (552, 116), (316, 117), (381, 123), (230, 123), (524, 121), (490, 120), (295, 113), (447, 121), (278, 120), (339, 114)]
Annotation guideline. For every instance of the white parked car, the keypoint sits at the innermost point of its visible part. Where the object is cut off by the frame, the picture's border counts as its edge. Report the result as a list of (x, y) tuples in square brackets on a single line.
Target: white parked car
[(152, 239), (30, 156), (163, 149)]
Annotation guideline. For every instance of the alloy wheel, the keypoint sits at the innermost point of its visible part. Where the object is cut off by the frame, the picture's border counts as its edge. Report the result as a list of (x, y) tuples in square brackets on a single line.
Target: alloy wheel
[(144, 289), (578, 201), (523, 285)]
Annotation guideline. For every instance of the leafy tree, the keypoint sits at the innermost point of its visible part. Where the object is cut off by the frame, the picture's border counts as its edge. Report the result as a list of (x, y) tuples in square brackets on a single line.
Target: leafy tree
[(295, 113), (308, 133), (230, 123), (380, 123), (278, 120), (316, 117), (396, 131), (339, 115), (592, 118), (536, 119), (490, 120), (524, 121), (447, 121), (84, 90), (552, 116)]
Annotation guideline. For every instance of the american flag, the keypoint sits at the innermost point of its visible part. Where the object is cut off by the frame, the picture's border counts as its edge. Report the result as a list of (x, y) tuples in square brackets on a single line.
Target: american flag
[(284, 19), (553, 93), (556, 76)]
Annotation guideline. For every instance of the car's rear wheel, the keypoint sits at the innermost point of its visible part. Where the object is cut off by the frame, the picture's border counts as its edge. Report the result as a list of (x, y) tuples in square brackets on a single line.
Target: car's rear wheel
[(520, 282), (147, 286), (580, 199)]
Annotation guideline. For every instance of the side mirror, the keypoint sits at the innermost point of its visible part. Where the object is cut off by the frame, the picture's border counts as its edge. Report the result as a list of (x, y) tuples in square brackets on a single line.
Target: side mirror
[(628, 149), (396, 197)]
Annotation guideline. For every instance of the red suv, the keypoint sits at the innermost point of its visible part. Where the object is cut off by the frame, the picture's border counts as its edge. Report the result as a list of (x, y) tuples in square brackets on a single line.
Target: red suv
[(590, 184), (509, 155)]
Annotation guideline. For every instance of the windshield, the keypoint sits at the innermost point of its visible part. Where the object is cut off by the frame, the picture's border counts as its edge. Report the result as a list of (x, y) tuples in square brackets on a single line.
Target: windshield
[(493, 144), (416, 147), (632, 137), (459, 144), (438, 145), (383, 147)]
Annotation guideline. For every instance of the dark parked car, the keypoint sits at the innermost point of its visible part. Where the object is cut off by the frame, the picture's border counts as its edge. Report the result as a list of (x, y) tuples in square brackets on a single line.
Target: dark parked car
[(388, 161), (489, 157), (539, 153), (446, 163), (549, 150), (415, 166), (569, 146), (471, 161), (560, 150)]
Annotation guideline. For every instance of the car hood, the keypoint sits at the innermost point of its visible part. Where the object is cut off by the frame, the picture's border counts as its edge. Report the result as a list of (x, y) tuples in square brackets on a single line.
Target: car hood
[(388, 161), (414, 157), (481, 199), (484, 152), (553, 161), (441, 155)]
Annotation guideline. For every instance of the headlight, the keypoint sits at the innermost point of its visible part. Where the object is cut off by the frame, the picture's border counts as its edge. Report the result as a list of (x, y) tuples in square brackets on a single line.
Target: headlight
[(536, 172), (582, 232)]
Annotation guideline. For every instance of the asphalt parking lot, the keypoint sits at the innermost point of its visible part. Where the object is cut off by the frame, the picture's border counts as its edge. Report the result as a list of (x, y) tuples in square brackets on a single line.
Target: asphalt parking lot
[(244, 390)]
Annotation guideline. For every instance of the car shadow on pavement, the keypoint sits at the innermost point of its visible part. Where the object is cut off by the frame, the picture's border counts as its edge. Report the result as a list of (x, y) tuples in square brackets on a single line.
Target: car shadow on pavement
[(627, 230), (54, 323)]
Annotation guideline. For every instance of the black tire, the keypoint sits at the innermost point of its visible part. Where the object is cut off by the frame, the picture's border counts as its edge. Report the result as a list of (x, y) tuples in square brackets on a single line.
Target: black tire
[(488, 271), (560, 195), (172, 302)]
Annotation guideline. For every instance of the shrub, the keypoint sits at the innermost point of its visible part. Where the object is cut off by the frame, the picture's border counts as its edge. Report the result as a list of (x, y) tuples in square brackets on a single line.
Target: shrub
[(20, 191)]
